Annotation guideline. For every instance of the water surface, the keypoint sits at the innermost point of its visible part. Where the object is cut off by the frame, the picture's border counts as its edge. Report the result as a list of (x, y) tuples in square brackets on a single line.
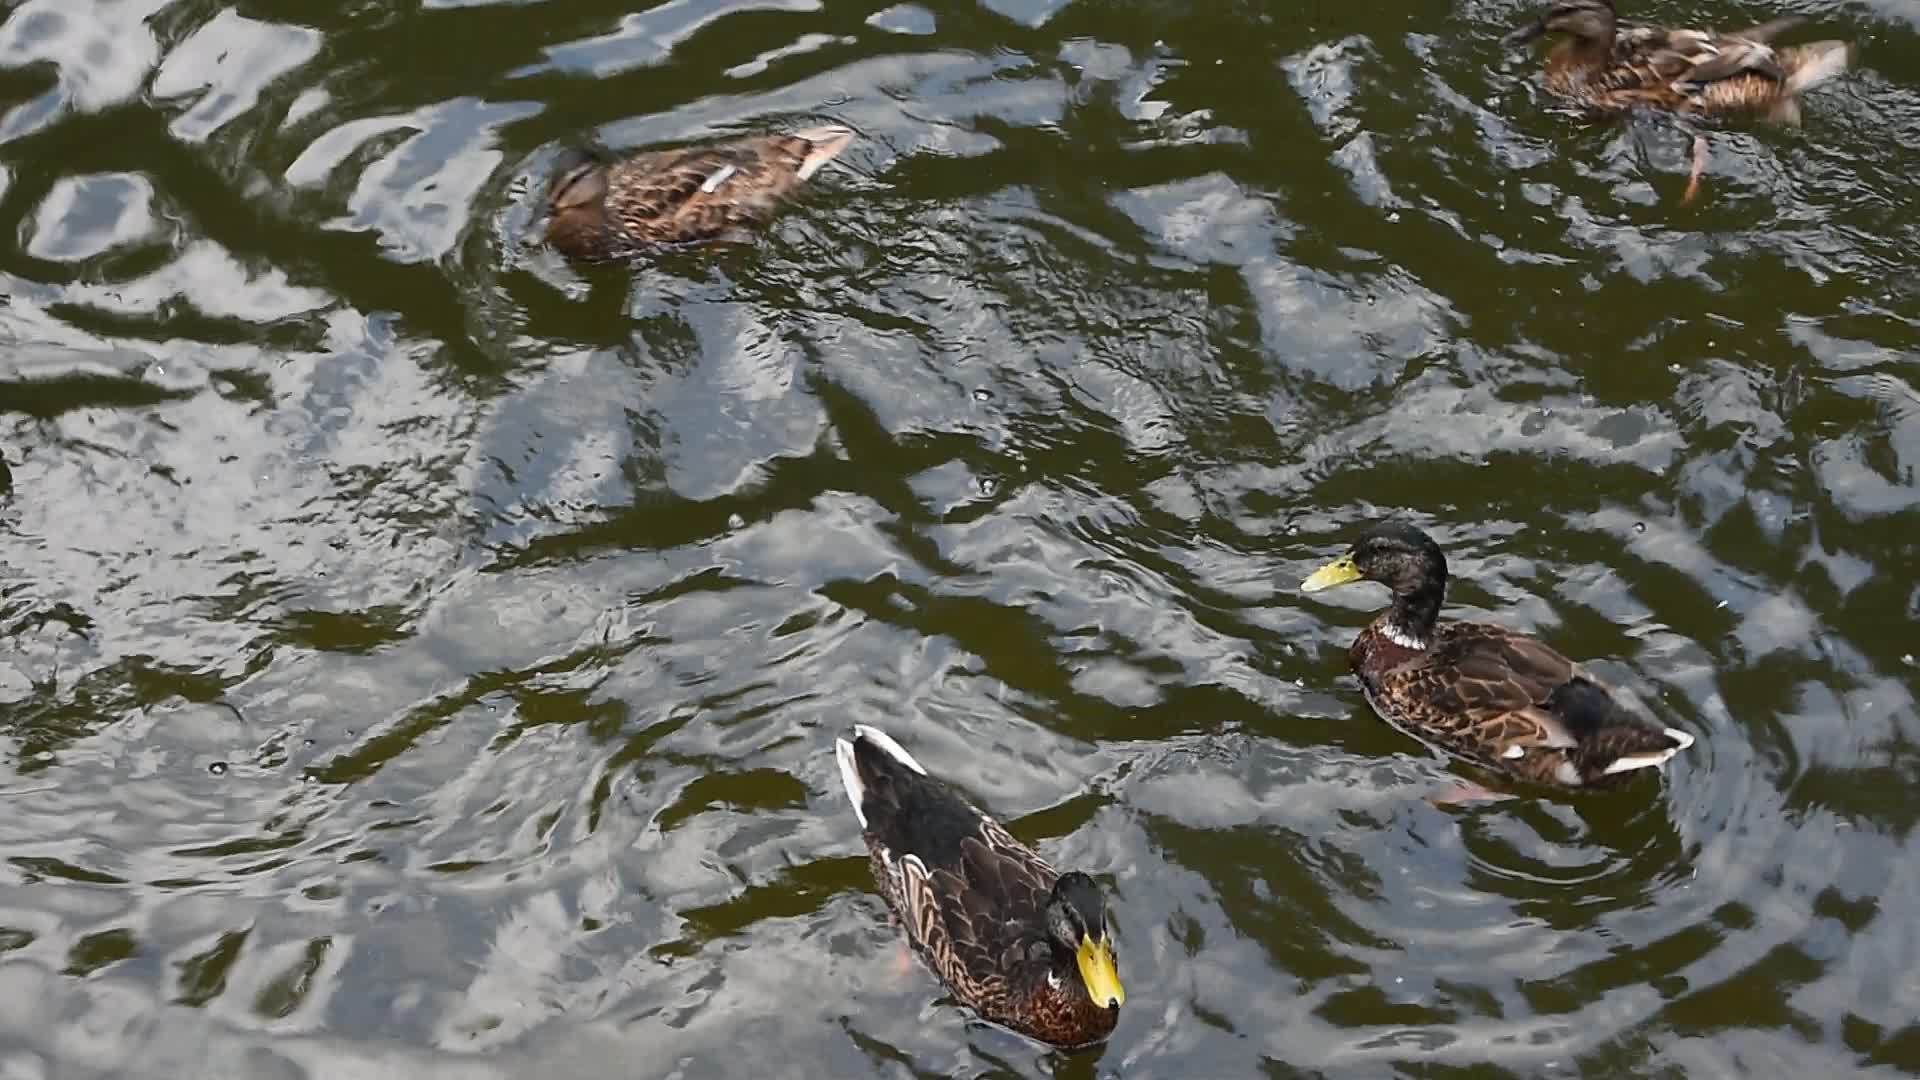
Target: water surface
[(420, 658)]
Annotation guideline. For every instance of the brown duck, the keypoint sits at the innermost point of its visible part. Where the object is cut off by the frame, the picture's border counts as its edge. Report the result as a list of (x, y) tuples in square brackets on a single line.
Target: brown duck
[(1605, 68), (599, 211), (1496, 697), (1020, 943)]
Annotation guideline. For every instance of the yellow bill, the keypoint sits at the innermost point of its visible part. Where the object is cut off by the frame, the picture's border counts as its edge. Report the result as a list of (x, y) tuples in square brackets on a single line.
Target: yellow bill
[(1338, 572), (1098, 972)]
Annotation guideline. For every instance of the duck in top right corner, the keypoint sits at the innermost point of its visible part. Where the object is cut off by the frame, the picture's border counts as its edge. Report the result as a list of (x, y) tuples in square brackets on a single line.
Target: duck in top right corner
[(1606, 68)]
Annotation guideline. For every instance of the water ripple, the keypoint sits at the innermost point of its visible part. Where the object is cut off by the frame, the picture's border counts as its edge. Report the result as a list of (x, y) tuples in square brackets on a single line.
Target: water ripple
[(420, 655)]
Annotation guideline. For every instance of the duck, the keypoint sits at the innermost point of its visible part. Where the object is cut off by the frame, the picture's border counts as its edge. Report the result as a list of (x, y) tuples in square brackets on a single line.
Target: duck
[(1481, 691), (1021, 944), (599, 210), (1604, 68)]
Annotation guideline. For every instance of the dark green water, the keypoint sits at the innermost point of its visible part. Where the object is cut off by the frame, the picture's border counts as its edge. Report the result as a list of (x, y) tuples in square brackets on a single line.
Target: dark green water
[(419, 659)]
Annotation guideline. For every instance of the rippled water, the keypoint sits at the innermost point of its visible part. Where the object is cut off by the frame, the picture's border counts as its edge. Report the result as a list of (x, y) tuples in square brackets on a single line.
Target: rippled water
[(419, 658)]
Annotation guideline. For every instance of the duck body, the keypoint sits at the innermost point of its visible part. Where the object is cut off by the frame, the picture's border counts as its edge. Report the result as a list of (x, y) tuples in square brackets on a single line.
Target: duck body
[(1606, 68), (1499, 698), (1015, 940), (599, 211)]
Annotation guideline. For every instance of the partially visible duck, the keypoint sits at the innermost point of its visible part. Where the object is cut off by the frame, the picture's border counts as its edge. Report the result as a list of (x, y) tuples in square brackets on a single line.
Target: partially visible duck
[(1605, 68), (720, 191)]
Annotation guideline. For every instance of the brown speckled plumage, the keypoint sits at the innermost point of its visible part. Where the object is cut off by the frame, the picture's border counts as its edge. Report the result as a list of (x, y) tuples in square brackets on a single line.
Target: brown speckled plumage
[(978, 906), (599, 211), (1606, 68), (1492, 695)]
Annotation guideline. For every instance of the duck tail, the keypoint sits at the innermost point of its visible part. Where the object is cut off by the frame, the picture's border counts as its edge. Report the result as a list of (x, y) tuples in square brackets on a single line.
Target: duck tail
[(1650, 757), (870, 751), (1810, 65), (1770, 29), (826, 144), (850, 779)]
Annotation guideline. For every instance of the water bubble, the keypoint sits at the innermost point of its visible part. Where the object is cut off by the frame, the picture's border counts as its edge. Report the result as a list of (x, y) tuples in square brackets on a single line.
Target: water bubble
[(988, 485), (735, 521), (1639, 526), (1393, 218), (1907, 659), (218, 768), (983, 394)]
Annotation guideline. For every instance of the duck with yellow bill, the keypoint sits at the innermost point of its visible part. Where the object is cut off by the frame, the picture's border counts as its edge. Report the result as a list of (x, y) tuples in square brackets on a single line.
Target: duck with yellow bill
[(1020, 943), (1494, 696)]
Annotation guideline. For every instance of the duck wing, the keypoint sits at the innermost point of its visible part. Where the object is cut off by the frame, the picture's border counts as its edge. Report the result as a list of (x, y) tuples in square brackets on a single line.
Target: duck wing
[(1484, 688), (1655, 59), (708, 192), (1768, 30), (982, 921), (1516, 703)]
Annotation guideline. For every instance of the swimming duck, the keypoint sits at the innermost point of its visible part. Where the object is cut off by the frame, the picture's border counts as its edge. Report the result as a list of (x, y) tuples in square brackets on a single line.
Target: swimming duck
[(1606, 69), (1602, 67), (1489, 694), (1020, 943), (599, 211)]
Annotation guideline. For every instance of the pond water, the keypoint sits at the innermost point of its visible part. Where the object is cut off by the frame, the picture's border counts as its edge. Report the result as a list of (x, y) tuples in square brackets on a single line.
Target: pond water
[(421, 658)]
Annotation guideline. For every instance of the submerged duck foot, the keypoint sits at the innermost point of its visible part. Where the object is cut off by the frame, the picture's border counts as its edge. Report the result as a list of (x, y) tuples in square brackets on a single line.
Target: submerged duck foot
[(1699, 166)]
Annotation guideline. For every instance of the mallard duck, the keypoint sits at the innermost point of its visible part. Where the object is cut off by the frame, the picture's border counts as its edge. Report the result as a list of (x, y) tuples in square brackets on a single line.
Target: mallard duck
[(1604, 68), (1020, 943), (1609, 69), (600, 211), (1496, 697)]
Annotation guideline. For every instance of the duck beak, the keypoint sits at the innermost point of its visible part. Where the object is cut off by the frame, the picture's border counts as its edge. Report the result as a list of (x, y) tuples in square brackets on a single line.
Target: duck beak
[(1338, 572), (1098, 972), (1526, 33)]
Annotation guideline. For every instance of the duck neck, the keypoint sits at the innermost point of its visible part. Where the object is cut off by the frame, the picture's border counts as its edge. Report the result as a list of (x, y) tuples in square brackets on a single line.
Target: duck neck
[(1087, 1021), (1415, 613)]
